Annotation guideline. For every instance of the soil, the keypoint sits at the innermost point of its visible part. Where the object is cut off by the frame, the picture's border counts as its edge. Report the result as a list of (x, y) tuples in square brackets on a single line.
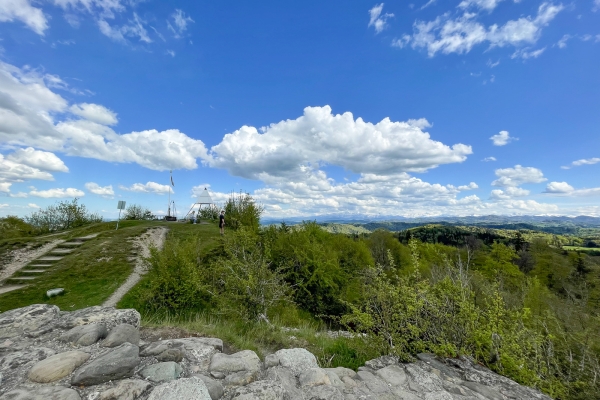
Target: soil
[(154, 237)]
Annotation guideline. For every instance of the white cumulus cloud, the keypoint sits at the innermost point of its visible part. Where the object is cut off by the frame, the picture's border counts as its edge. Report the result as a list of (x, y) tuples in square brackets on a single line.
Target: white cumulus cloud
[(508, 193), (294, 149), (41, 160), (585, 161), (377, 20), (518, 175), (57, 193), (22, 10), (559, 187), (95, 113), (502, 139), (104, 191), (149, 187), (563, 188), (488, 159)]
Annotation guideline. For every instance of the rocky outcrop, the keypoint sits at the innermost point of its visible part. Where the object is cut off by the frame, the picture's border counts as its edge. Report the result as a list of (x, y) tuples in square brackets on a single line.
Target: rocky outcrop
[(48, 354)]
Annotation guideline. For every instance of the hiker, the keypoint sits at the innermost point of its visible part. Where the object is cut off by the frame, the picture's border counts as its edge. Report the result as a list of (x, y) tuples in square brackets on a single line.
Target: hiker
[(222, 222), (193, 217)]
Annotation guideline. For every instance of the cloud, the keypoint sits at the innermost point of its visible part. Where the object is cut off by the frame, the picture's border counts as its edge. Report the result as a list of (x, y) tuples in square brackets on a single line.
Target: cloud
[(526, 53), (487, 5), (134, 28), (562, 43), (512, 177), (295, 149), (13, 170), (5, 187), (98, 8), (95, 113), (3, 205), (508, 193), (596, 5), (578, 163), (106, 191), (28, 109), (22, 10), (33, 205), (377, 20), (149, 187), (488, 159), (57, 193), (42, 160), (20, 195), (502, 139), (461, 34), (180, 23), (563, 188)]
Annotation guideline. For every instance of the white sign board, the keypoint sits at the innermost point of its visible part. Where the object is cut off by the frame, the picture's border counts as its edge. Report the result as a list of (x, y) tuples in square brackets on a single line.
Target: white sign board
[(121, 205)]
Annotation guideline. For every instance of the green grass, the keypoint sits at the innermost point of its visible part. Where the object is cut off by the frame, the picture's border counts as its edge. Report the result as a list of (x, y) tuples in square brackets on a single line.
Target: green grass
[(579, 248)]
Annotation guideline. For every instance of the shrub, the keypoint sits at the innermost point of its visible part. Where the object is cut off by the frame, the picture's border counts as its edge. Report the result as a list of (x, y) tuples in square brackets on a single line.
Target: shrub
[(12, 226), (241, 210), (137, 212), (62, 215)]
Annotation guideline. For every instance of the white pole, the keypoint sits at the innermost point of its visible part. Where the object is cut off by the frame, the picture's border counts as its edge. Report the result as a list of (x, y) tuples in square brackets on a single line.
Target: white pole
[(118, 220)]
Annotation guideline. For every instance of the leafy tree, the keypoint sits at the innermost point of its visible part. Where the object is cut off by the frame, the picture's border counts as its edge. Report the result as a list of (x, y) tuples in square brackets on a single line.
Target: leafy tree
[(62, 215), (241, 210), (138, 212)]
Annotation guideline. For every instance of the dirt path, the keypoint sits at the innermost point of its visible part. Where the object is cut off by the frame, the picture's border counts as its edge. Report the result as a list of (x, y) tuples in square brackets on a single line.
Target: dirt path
[(21, 257), (154, 237)]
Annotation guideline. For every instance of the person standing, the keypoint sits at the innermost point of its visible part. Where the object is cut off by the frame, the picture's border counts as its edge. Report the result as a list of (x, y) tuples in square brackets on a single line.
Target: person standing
[(222, 222), (193, 217)]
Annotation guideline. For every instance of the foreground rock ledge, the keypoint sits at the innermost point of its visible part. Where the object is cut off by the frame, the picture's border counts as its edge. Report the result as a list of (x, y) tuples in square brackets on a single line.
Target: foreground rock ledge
[(48, 354)]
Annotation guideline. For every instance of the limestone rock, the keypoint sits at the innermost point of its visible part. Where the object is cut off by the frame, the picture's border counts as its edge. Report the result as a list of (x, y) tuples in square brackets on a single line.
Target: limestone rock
[(287, 380), (198, 351), (182, 389), (109, 316), (314, 377), (241, 378), (123, 333), (128, 389), (246, 360), (215, 389), (260, 390), (42, 393), (27, 358), (117, 363), (161, 372), (394, 375), (57, 366), (30, 321), (341, 372), (374, 384), (84, 335), (324, 392), (381, 362), (297, 360)]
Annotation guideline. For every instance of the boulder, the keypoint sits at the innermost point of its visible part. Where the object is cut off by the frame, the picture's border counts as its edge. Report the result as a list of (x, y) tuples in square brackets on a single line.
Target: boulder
[(117, 363), (182, 389), (128, 389), (123, 333), (241, 378), (27, 358), (314, 377), (297, 360), (215, 389), (323, 392), (30, 321), (42, 393), (260, 390), (342, 372), (84, 335), (57, 366), (373, 383), (246, 360), (197, 351), (109, 316), (394, 375), (161, 372), (171, 355)]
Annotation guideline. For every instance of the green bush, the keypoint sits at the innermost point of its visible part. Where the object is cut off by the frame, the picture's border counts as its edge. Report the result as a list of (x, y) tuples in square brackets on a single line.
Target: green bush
[(12, 227), (242, 211), (138, 213), (61, 216)]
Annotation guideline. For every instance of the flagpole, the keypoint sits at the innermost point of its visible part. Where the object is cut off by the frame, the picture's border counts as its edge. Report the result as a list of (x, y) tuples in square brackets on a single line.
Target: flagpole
[(171, 176)]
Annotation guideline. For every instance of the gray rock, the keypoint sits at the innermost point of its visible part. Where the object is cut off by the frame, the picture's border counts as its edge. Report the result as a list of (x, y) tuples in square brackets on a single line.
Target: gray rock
[(297, 360), (171, 355), (341, 372), (260, 390), (323, 392), (374, 384), (54, 292), (123, 333), (485, 391), (162, 372), (424, 380), (182, 389), (287, 380), (382, 362), (197, 351), (57, 366), (246, 360), (27, 359), (30, 321), (215, 389), (128, 389), (241, 378), (117, 363), (314, 377), (438, 395), (349, 382), (84, 335), (109, 316), (334, 378), (394, 375), (218, 375), (42, 393)]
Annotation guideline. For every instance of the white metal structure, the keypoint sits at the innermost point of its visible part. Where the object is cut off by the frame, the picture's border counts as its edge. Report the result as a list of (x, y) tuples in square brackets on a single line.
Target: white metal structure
[(203, 200)]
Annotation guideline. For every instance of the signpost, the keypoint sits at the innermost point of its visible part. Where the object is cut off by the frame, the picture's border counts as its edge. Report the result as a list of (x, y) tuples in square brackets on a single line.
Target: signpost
[(120, 206)]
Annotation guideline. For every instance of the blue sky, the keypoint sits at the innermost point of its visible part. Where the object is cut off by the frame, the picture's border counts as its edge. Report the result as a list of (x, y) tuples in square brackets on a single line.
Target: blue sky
[(421, 108)]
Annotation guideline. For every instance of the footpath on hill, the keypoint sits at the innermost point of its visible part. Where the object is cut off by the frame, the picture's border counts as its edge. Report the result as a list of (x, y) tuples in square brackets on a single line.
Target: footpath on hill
[(154, 237)]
